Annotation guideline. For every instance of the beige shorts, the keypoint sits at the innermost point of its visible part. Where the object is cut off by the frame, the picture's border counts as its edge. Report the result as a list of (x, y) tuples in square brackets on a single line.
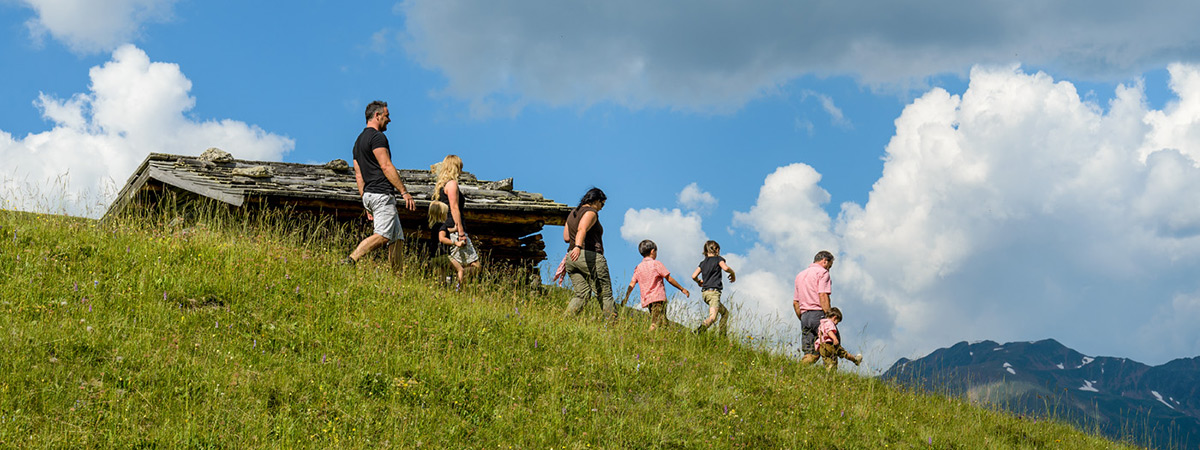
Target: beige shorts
[(712, 297)]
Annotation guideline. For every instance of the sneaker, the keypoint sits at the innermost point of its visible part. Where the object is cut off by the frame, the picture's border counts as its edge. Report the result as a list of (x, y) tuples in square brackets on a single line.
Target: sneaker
[(348, 261), (699, 330)]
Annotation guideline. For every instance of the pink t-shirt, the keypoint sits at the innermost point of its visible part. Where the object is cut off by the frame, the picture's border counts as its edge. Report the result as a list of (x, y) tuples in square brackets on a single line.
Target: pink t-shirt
[(810, 283), (826, 328), (649, 275)]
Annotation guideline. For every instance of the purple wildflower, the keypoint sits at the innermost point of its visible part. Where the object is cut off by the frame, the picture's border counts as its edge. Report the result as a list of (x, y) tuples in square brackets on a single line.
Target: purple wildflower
[(75, 288), (95, 283), (726, 409), (322, 359)]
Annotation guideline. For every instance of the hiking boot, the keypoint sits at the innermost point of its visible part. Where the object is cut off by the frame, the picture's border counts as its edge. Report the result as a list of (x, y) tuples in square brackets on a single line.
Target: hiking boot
[(699, 330), (809, 359), (348, 261), (857, 359)]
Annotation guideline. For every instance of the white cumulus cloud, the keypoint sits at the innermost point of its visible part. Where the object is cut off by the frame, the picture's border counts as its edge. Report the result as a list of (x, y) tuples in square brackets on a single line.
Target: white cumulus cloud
[(133, 107), (87, 26), (696, 199), (1015, 211)]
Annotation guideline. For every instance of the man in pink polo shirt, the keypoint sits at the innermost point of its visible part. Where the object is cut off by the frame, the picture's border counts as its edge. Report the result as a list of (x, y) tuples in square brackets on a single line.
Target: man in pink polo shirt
[(811, 301)]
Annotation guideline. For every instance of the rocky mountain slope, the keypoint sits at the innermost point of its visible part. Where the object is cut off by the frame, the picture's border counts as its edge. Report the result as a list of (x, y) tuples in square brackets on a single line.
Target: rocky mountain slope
[(1158, 406)]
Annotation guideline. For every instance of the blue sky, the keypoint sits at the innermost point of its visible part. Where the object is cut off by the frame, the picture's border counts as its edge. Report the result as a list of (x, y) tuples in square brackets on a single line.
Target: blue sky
[(1005, 172)]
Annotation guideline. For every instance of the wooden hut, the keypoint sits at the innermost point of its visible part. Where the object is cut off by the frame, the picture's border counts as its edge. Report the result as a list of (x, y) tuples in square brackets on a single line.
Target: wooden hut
[(503, 221)]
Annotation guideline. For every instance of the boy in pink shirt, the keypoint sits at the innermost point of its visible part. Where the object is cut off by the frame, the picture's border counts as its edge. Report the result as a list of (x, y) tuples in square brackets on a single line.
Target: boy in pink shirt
[(649, 274), (829, 342)]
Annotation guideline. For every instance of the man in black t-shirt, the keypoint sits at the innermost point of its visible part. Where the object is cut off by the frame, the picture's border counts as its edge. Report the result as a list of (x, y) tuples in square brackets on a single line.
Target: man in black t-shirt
[(378, 181)]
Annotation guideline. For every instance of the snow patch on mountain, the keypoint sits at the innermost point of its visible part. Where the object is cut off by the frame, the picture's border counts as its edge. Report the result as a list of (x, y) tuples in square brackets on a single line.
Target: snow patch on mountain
[(1160, 399)]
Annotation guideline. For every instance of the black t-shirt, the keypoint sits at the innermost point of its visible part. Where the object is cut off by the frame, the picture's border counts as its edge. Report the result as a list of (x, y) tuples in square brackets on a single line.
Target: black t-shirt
[(364, 154), (462, 201), (437, 230), (710, 272)]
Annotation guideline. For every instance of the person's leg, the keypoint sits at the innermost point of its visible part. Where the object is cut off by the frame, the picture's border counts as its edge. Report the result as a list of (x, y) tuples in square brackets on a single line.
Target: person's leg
[(724, 327), (658, 315), (471, 268), (829, 355), (810, 322), (396, 256), (458, 268), (372, 242), (603, 285), (713, 298), (844, 354), (580, 286)]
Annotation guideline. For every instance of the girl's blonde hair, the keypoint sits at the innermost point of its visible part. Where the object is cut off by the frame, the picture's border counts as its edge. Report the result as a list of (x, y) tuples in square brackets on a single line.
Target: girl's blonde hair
[(449, 169), (712, 248), (437, 213)]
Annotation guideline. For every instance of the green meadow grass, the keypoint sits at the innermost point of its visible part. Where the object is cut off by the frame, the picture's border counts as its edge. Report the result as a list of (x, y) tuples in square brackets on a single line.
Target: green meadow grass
[(237, 332)]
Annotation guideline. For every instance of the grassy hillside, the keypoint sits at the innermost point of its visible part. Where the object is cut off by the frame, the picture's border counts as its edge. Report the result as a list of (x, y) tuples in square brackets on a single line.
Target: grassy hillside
[(217, 334)]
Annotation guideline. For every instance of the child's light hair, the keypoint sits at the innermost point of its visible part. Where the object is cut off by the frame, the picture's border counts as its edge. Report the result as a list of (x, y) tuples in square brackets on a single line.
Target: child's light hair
[(449, 169), (712, 248), (437, 213)]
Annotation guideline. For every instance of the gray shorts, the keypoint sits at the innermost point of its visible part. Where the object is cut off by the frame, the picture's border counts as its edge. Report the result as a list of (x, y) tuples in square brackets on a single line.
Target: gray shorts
[(466, 254), (383, 208)]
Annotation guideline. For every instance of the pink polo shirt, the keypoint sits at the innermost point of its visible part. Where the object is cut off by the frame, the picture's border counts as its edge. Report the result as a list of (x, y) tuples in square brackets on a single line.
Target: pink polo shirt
[(649, 275), (810, 283), (827, 328)]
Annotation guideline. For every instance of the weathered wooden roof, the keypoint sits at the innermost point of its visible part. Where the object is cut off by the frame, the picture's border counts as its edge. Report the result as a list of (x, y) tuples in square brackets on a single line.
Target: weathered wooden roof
[(504, 214)]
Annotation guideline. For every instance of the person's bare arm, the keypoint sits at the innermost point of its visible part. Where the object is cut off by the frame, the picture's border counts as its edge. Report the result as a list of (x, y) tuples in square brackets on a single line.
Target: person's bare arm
[(671, 280), (696, 276), (628, 291), (585, 223), (452, 194), (393, 176), (726, 268), (825, 302)]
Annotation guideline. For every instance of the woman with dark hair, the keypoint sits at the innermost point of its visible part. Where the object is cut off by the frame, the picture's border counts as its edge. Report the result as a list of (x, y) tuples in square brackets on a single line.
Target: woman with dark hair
[(585, 262)]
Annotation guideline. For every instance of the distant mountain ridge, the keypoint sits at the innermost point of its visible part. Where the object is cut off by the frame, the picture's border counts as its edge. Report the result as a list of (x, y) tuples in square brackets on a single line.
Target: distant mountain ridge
[(1157, 406)]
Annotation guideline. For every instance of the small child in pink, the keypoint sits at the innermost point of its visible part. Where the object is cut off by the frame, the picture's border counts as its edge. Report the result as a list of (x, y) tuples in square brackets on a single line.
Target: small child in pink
[(650, 274), (829, 341)]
